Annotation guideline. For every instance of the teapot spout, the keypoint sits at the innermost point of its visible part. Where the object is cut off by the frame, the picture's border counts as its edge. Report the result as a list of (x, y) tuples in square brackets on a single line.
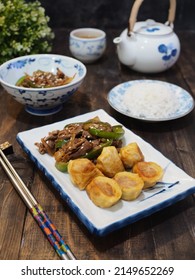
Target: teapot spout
[(125, 49), (117, 40)]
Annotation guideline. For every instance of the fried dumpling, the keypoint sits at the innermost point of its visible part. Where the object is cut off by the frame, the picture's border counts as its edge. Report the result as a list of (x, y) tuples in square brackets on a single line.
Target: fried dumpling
[(103, 191), (130, 183), (109, 162), (131, 154), (82, 171), (150, 172)]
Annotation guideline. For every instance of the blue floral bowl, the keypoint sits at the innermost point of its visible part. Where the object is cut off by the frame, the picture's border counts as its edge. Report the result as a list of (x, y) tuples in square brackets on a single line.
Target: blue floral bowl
[(42, 101)]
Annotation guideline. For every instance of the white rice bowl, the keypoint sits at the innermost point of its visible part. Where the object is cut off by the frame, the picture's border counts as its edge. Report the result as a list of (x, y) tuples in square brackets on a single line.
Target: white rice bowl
[(150, 101)]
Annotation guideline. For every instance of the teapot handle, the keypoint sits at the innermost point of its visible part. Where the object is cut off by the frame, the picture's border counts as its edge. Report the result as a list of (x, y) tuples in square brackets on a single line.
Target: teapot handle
[(135, 9)]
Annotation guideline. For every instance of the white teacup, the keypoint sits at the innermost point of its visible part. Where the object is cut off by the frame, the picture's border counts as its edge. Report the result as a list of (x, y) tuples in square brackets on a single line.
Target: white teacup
[(87, 44)]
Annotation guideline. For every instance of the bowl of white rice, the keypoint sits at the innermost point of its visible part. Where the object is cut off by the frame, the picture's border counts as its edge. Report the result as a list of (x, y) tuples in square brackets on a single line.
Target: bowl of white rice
[(151, 100)]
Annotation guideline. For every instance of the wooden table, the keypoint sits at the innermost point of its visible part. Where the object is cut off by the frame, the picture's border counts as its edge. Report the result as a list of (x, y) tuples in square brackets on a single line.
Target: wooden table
[(167, 234)]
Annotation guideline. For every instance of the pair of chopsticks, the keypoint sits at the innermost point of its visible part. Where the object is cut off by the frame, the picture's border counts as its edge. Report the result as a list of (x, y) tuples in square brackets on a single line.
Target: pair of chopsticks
[(46, 225)]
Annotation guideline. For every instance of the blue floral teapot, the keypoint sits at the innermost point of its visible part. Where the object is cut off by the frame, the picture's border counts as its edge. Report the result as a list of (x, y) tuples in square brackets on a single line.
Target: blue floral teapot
[(148, 46)]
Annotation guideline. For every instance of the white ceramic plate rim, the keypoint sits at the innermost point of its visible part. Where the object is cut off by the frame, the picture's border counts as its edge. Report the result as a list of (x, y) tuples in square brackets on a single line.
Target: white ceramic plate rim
[(176, 183), (116, 94)]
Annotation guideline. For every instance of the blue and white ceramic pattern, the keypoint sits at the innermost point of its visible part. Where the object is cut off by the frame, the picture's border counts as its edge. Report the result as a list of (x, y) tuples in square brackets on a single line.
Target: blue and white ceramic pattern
[(182, 98), (176, 184), (41, 101), (151, 48), (87, 44)]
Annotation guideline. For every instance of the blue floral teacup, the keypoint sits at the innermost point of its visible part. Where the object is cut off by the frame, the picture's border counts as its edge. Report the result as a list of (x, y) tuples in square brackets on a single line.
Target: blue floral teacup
[(87, 44)]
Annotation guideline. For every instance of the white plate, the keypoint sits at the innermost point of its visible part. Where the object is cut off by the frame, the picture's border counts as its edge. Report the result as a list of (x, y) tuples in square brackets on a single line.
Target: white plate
[(125, 98), (176, 183)]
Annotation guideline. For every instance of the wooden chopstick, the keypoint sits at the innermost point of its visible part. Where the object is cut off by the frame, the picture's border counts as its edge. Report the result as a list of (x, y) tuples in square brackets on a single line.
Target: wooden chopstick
[(48, 228)]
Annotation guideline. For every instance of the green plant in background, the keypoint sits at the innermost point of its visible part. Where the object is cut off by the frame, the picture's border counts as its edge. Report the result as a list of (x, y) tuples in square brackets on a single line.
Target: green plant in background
[(23, 29)]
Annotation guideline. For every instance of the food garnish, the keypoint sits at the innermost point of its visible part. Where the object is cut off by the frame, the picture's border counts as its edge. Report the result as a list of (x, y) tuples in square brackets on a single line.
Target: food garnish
[(42, 79)]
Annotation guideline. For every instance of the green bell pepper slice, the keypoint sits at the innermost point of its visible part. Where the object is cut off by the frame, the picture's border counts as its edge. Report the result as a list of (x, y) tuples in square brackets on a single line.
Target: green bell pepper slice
[(116, 133), (94, 153), (61, 166), (60, 143), (97, 125), (20, 81)]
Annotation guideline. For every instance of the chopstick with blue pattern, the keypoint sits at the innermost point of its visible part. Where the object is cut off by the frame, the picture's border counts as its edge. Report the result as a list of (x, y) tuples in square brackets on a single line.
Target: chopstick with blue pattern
[(46, 225)]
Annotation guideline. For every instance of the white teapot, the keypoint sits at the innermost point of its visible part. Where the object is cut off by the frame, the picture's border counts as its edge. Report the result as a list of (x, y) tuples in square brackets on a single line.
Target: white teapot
[(148, 46)]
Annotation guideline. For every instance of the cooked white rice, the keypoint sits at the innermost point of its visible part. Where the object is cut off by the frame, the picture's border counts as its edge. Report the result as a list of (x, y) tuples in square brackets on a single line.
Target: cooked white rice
[(150, 100)]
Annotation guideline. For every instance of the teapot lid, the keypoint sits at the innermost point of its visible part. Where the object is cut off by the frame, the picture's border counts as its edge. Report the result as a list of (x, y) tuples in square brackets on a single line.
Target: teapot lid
[(151, 27)]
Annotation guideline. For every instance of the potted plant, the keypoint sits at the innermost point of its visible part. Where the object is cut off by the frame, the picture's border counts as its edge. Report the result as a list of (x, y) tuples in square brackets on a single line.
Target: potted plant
[(23, 29)]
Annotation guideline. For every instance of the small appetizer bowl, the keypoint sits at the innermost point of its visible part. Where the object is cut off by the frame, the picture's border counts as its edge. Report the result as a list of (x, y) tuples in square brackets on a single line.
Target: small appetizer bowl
[(42, 100)]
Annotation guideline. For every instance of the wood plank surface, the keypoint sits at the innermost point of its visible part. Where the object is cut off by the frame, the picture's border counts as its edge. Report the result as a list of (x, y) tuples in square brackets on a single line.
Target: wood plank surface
[(167, 234)]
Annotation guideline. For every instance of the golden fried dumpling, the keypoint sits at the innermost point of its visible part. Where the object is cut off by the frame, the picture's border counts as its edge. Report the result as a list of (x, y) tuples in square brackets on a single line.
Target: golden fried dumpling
[(150, 172), (82, 171), (131, 154), (109, 162), (130, 183), (103, 191)]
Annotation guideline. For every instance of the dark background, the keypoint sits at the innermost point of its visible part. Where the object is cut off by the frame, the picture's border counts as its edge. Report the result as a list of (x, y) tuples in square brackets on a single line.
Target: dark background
[(115, 13)]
